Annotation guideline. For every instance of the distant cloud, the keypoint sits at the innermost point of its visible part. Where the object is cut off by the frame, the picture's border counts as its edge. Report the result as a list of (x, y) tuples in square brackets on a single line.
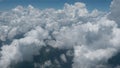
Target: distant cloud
[(115, 11)]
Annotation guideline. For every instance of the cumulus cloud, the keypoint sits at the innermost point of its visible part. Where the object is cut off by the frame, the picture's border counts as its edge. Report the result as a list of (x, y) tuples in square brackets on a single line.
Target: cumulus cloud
[(93, 36), (115, 11)]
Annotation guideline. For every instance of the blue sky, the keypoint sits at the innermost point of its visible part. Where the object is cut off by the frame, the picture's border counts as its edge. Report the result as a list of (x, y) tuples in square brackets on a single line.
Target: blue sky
[(102, 5)]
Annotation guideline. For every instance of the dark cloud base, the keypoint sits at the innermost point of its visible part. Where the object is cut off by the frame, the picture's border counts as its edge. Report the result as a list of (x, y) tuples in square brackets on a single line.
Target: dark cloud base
[(114, 61), (52, 55), (55, 54)]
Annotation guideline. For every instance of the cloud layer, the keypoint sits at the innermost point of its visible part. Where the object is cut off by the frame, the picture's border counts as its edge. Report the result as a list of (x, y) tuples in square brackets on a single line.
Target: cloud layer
[(93, 36)]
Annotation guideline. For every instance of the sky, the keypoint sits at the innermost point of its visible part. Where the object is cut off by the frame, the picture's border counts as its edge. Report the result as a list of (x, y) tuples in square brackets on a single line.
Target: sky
[(102, 5)]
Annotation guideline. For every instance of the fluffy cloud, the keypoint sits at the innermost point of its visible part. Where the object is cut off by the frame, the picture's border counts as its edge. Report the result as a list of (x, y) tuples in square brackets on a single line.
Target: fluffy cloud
[(93, 36), (115, 11)]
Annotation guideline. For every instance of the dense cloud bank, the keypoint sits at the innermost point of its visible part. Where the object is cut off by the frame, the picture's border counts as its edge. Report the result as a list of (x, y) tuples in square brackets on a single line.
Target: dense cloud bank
[(71, 35)]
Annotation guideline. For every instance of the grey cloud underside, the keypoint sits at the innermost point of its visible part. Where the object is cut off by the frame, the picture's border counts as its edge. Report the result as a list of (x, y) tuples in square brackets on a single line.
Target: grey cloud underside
[(70, 37), (115, 12)]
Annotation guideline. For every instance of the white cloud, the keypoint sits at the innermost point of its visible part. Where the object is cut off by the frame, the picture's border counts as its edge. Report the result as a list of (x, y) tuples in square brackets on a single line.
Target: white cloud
[(93, 36), (115, 11), (87, 58)]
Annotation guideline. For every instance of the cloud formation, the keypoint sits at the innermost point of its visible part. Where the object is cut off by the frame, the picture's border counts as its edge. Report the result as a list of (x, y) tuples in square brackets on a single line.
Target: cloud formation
[(114, 13), (93, 36)]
